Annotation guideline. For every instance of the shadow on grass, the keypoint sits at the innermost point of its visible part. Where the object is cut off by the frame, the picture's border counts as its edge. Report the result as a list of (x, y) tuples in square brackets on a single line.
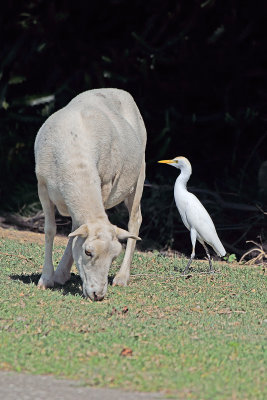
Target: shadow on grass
[(73, 286), (195, 270)]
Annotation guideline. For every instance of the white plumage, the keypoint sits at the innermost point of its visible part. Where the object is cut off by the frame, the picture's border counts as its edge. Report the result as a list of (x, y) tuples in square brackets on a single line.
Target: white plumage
[(193, 213)]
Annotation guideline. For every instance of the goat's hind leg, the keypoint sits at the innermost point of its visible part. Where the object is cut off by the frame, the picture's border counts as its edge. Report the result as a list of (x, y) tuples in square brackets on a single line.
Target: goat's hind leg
[(47, 277)]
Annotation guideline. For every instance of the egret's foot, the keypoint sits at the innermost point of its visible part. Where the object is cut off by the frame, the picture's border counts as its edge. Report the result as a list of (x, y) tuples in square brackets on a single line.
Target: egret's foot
[(120, 280), (186, 270), (45, 283), (183, 273), (211, 271), (61, 278)]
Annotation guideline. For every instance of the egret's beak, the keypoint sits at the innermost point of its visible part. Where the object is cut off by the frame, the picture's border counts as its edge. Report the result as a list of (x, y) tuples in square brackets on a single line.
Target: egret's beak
[(166, 161)]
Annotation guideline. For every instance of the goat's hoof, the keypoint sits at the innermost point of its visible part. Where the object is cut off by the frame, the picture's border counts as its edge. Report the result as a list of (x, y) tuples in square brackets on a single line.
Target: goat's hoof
[(45, 283), (61, 279), (120, 280)]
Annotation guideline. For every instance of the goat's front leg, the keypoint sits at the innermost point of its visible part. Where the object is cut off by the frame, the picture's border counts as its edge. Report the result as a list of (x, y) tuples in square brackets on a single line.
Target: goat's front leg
[(47, 277), (135, 220), (62, 273)]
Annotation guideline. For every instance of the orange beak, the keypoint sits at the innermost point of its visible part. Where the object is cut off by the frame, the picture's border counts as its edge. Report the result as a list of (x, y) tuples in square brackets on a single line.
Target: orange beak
[(166, 161)]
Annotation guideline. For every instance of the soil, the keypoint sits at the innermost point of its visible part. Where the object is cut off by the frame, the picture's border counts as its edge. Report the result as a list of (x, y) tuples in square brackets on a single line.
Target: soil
[(28, 236)]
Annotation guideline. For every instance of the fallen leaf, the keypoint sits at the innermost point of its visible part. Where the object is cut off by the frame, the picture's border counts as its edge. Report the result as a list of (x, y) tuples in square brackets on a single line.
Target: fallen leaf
[(84, 329), (5, 366), (239, 311), (197, 309), (113, 311), (22, 304), (224, 311), (126, 352)]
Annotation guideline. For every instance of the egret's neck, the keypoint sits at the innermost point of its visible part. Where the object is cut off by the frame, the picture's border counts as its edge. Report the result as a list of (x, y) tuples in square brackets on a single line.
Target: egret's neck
[(183, 178)]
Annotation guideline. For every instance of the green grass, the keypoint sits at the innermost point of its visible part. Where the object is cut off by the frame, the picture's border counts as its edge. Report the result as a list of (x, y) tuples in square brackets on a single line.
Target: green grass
[(196, 338)]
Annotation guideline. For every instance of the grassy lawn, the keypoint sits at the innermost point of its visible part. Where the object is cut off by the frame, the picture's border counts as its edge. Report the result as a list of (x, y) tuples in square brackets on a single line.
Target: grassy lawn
[(195, 338)]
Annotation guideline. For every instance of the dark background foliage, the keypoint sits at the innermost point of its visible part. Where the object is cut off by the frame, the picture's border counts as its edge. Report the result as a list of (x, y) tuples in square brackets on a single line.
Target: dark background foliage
[(197, 70)]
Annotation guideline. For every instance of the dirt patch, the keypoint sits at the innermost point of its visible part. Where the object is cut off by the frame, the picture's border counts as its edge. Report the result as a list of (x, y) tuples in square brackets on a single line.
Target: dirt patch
[(28, 236), (60, 240)]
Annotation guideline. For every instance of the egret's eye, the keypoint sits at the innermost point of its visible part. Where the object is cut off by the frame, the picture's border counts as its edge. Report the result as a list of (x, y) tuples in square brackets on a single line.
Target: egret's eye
[(88, 253)]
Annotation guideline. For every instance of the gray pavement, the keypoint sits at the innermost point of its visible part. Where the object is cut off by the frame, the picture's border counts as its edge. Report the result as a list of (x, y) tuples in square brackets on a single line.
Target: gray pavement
[(14, 386)]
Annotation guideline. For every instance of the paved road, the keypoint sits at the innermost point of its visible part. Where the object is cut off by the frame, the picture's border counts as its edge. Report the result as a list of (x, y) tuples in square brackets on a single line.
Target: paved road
[(15, 386)]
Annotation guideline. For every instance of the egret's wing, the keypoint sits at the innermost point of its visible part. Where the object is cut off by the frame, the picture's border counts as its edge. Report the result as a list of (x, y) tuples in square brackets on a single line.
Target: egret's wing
[(197, 215), (182, 205), (199, 219)]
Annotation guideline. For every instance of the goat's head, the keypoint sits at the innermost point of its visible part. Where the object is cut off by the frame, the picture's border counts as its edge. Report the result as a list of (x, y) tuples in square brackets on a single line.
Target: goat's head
[(94, 248)]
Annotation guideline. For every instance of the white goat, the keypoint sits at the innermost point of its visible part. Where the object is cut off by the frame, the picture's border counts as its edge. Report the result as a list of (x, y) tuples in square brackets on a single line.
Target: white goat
[(90, 156)]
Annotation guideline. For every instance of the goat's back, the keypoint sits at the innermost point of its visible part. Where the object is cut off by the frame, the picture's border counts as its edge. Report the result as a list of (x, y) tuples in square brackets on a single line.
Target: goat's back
[(98, 137)]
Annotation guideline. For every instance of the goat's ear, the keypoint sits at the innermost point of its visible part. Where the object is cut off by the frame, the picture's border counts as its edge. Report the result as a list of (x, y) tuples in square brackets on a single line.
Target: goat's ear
[(82, 231), (123, 234)]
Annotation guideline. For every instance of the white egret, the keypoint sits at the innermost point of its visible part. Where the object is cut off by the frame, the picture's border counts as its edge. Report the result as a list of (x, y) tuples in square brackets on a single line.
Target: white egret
[(193, 213)]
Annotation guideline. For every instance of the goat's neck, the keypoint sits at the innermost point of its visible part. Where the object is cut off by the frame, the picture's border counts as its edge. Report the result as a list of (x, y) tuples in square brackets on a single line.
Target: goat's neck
[(88, 205)]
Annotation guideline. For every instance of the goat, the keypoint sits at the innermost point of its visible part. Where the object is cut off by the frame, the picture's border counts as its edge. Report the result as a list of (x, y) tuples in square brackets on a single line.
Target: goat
[(90, 156)]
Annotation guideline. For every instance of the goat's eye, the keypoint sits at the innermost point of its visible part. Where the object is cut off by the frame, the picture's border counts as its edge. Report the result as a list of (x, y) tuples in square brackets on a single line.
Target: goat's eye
[(88, 253)]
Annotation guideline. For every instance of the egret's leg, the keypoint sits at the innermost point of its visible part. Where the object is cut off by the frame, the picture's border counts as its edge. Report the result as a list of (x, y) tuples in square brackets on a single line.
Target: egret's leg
[(193, 235), (209, 258)]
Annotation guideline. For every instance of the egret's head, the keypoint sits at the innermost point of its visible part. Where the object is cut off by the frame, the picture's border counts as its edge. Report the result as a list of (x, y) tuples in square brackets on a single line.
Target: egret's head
[(178, 162)]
